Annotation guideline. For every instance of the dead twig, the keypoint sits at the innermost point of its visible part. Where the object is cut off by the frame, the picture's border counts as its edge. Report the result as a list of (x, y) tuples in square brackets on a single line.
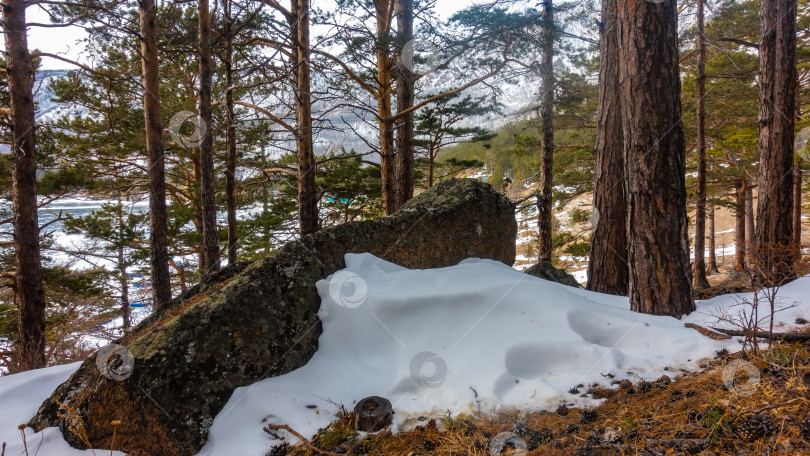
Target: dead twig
[(275, 427), (788, 337), (777, 405), (707, 332)]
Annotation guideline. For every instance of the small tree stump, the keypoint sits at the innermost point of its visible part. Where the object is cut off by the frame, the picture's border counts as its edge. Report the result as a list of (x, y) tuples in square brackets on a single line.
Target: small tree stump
[(372, 414)]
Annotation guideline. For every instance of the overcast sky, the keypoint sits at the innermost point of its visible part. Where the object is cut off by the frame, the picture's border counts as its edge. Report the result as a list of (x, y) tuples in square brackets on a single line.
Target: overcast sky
[(64, 40)]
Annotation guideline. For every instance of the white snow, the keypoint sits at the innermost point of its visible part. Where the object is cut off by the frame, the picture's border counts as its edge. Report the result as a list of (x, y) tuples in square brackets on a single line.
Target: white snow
[(580, 275), (479, 336), (20, 397)]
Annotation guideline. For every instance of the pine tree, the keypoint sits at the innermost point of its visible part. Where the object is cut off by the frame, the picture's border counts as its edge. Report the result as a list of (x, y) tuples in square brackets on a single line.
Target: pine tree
[(777, 101), (608, 270), (208, 206), (30, 295), (654, 159)]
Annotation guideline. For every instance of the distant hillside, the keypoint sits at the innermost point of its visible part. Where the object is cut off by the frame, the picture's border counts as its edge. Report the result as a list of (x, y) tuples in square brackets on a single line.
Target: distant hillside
[(514, 153), (46, 107)]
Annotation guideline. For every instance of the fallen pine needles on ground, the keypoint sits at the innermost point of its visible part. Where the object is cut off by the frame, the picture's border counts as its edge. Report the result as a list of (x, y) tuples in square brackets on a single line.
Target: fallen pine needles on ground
[(727, 409)]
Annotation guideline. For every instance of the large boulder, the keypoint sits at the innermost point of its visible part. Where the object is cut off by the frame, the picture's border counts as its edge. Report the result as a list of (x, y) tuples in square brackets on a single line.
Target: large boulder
[(168, 379), (546, 270)]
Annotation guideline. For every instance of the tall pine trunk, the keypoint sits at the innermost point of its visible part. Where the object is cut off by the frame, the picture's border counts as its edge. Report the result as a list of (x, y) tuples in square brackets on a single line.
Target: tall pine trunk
[(384, 109), (712, 242), (431, 164), (158, 248), (307, 191), (658, 254), (230, 158), (739, 219), (607, 264), (123, 282), (405, 99), (198, 216), (207, 177), (797, 207), (123, 277), (750, 230), (777, 101), (547, 133), (28, 281), (699, 271)]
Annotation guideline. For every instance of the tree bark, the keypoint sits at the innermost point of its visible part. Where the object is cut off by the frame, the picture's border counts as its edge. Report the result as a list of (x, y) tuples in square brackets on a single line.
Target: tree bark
[(699, 270), (405, 99), (658, 254), (307, 191), (547, 133), (777, 100), (607, 265), (750, 230), (198, 217), (384, 110), (712, 244), (28, 280), (431, 165), (739, 218), (207, 177), (230, 160), (123, 278), (158, 248), (797, 208), (123, 282)]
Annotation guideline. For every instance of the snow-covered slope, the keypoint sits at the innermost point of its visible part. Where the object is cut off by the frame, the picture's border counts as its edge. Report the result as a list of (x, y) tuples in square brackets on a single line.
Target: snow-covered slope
[(43, 96), (479, 336)]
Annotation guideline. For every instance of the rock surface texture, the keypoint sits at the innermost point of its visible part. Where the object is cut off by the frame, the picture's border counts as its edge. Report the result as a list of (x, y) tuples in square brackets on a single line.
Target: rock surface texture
[(545, 270), (251, 322)]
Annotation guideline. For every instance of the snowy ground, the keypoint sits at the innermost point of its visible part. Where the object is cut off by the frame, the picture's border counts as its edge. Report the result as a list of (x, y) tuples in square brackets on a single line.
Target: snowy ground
[(476, 337)]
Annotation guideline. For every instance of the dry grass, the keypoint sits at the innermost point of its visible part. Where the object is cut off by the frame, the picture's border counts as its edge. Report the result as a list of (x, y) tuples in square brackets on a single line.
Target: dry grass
[(694, 414)]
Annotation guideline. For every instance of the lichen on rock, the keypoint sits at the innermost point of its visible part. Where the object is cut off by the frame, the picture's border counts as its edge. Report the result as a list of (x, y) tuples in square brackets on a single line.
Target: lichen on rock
[(259, 320)]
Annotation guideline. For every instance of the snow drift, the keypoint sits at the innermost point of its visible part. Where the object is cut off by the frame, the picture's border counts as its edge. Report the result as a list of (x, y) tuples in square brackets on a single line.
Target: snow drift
[(478, 336)]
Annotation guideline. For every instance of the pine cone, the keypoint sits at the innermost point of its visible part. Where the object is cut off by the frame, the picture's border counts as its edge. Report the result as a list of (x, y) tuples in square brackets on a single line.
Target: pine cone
[(588, 416), (279, 450), (643, 387), (694, 415), (541, 437), (521, 428), (594, 439), (755, 427), (775, 372)]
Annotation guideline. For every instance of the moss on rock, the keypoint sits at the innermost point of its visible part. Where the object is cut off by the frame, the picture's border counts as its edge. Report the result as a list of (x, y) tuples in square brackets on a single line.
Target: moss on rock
[(251, 322)]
